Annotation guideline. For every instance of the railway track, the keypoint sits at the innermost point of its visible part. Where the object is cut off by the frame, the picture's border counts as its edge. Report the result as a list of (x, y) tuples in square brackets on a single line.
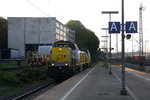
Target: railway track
[(135, 65), (30, 91)]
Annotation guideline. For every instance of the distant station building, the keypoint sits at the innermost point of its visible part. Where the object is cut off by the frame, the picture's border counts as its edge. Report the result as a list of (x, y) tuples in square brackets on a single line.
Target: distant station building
[(28, 33)]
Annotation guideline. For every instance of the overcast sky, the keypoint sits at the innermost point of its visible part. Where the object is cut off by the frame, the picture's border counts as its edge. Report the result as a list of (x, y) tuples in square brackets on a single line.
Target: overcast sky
[(87, 11)]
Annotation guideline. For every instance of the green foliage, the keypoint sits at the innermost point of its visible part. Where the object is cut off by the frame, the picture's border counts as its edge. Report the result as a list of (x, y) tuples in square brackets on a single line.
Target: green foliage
[(9, 78), (23, 77), (27, 75), (95, 56), (35, 73), (85, 38), (3, 33)]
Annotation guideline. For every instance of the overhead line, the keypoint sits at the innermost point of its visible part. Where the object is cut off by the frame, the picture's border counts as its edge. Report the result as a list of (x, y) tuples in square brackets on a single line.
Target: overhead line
[(37, 8)]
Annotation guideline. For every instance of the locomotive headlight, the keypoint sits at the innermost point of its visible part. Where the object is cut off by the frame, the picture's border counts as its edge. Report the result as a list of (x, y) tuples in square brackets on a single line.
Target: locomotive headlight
[(52, 64)]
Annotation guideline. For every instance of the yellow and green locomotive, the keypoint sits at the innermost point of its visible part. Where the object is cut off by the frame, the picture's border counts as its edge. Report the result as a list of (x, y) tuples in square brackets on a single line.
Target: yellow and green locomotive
[(67, 60)]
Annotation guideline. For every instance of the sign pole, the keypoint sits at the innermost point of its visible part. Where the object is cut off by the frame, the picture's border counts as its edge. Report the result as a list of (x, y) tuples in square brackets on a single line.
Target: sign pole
[(114, 27), (123, 91), (110, 72)]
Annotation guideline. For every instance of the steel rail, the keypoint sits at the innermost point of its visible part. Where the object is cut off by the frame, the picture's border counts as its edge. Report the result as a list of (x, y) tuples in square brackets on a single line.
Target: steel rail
[(30, 91)]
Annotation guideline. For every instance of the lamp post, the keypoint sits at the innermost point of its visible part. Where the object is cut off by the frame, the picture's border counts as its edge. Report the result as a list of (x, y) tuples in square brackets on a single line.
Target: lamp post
[(106, 45), (110, 12)]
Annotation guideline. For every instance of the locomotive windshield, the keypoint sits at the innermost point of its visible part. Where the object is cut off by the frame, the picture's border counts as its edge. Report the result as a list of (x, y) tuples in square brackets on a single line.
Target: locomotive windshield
[(64, 44)]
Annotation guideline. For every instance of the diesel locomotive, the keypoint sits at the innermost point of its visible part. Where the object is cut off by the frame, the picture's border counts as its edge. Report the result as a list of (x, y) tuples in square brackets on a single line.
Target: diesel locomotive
[(67, 60)]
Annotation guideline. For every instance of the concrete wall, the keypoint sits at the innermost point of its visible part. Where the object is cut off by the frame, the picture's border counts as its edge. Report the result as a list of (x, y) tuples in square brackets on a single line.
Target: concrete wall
[(16, 34), (14, 54), (35, 30), (40, 30), (23, 31)]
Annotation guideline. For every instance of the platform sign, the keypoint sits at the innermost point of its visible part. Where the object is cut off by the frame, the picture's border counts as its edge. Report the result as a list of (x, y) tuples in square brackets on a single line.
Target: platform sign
[(114, 27), (131, 27)]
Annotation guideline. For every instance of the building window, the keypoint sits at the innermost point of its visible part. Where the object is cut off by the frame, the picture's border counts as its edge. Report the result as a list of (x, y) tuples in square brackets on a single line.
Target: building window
[(61, 32), (61, 27), (64, 34), (64, 29), (57, 36), (57, 30), (61, 38), (57, 25), (64, 38)]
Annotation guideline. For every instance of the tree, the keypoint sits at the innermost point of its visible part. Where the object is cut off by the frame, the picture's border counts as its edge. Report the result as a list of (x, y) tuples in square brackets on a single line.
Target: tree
[(3, 33), (85, 38)]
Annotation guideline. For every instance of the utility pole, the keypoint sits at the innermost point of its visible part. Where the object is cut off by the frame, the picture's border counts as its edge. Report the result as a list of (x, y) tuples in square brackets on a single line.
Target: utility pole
[(110, 12), (141, 8)]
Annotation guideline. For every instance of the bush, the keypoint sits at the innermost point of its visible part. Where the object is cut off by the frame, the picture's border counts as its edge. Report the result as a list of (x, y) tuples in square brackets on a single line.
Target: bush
[(9, 78), (30, 72), (35, 73), (23, 77), (27, 75)]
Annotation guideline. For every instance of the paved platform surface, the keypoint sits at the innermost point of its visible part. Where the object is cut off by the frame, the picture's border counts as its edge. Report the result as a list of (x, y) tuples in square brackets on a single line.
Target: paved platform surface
[(96, 84), (137, 82)]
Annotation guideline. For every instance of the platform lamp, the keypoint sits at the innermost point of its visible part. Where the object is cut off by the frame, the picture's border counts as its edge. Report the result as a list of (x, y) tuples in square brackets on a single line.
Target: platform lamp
[(110, 13)]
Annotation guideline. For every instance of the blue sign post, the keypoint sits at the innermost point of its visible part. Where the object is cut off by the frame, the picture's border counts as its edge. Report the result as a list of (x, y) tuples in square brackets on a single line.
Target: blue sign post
[(131, 27), (114, 27)]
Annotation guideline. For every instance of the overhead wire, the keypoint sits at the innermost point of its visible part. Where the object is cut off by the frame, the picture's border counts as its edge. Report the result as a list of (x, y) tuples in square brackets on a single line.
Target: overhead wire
[(38, 8)]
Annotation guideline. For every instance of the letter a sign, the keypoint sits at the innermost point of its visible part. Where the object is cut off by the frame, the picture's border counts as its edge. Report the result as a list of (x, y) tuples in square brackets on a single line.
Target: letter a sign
[(131, 27), (114, 27)]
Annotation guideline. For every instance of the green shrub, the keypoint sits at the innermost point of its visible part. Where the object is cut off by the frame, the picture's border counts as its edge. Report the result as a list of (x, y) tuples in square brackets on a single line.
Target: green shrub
[(23, 77), (35, 73), (41, 73), (9, 78), (30, 72), (27, 75)]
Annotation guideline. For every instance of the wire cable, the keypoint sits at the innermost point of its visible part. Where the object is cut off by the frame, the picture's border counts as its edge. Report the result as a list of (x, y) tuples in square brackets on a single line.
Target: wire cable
[(37, 8)]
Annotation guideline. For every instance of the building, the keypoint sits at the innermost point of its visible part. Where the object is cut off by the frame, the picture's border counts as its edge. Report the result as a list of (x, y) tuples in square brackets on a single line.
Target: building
[(27, 33)]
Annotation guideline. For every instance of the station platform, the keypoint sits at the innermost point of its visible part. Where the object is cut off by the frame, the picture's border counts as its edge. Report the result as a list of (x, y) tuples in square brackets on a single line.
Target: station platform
[(92, 84)]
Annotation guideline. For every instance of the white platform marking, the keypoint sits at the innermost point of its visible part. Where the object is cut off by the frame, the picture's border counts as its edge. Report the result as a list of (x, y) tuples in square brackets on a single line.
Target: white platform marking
[(130, 92), (72, 89)]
